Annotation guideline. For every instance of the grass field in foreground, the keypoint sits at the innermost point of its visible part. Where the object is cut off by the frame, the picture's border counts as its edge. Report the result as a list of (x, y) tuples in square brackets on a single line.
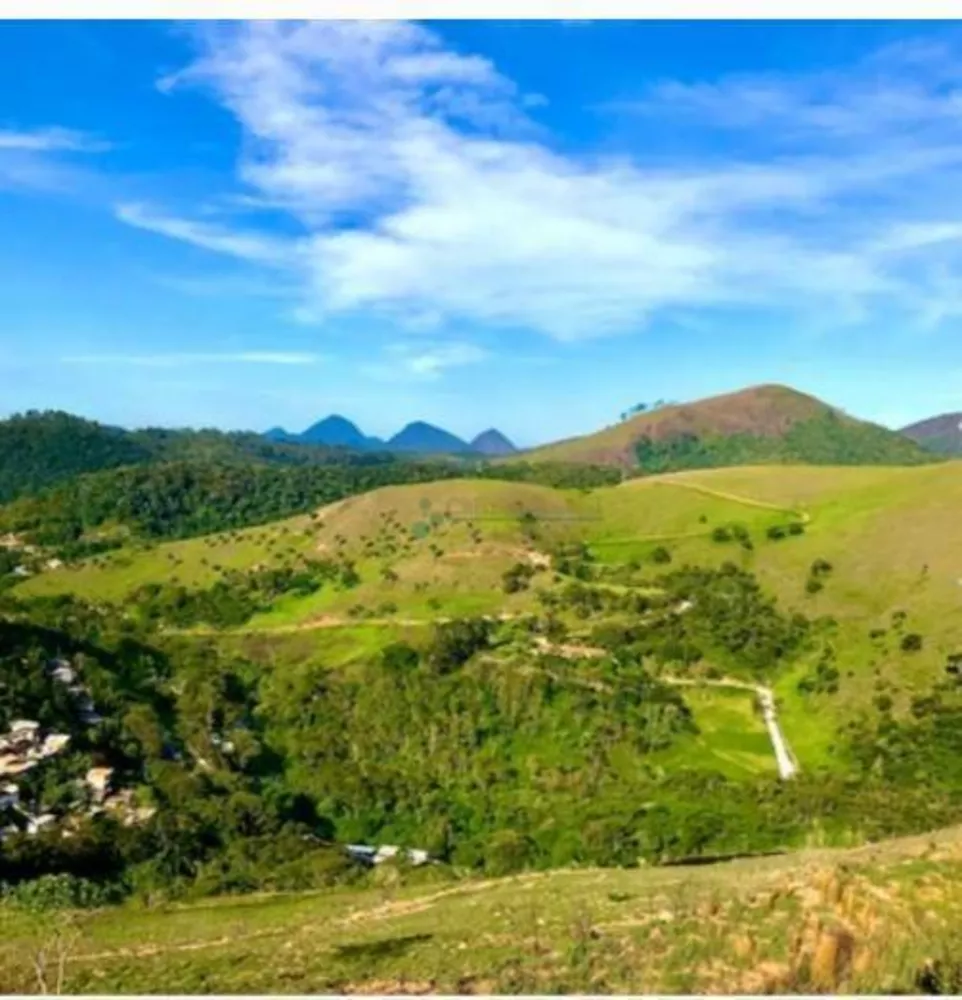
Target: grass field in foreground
[(864, 920)]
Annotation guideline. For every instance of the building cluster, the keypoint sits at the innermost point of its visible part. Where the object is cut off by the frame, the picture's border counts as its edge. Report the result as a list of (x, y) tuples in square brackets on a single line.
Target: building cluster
[(25, 747)]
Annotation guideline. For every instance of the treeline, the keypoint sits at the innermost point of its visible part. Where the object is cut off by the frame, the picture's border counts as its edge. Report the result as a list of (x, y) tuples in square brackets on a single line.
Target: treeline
[(185, 499), (826, 439), (39, 449)]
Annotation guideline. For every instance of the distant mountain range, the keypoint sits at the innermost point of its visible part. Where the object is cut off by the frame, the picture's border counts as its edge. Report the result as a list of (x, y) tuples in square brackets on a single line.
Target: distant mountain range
[(418, 437), (942, 434)]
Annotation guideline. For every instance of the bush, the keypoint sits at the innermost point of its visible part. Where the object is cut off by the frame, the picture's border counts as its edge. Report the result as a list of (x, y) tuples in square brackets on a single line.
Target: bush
[(399, 656), (721, 534), (61, 892), (776, 532), (813, 585), (661, 555), (456, 642), (911, 643), (507, 851), (517, 578)]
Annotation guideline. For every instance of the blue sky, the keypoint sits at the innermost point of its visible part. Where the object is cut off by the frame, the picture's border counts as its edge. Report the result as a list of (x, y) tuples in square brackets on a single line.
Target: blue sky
[(527, 225)]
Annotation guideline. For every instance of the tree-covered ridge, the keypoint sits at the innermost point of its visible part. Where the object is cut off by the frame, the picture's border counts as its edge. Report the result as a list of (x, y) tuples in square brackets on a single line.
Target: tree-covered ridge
[(185, 499), (37, 449), (825, 439)]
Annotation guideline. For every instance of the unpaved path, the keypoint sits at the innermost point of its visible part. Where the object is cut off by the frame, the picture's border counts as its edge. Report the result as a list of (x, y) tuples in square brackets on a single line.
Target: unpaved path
[(343, 621), (802, 515)]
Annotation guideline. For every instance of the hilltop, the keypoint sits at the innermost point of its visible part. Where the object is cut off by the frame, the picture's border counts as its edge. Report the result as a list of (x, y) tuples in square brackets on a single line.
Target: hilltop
[(942, 434), (427, 439), (768, 423), (492, 442)]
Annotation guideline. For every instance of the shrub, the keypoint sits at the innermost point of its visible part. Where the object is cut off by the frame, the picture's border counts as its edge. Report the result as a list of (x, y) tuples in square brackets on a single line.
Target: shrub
[(911, 643), (61, 892), (721, 534), (661, 555)]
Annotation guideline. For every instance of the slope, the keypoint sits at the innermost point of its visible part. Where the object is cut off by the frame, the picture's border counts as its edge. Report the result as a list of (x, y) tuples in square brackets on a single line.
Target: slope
[(768, 423), (941, 434), (863, 921)]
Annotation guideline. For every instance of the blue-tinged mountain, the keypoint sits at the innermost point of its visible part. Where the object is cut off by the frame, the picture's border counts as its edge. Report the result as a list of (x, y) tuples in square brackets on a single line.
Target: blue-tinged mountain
[(280, 436), (334, 431), (492, 442), (416, 438), (338, 432), (427, 439)]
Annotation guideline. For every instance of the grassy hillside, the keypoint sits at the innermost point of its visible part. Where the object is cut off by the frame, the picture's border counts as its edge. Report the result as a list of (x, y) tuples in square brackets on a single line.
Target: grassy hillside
[(942, 434), (768, 423), (891, 536), (878, 920), (447, 543)]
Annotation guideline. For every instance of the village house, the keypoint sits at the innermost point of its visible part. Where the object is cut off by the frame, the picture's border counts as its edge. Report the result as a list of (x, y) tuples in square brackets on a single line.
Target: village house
[(98, 781)]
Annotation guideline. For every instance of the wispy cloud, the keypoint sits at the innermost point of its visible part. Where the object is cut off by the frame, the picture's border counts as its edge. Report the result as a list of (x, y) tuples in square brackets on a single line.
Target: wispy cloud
[(247, 246), (41, 160), (424, 189), (406, 361), (189, 360), (51, 140)]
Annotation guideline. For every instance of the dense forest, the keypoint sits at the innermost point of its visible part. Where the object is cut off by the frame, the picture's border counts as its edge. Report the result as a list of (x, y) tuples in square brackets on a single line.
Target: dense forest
[(39, 449), (826, 439), (228, 774)]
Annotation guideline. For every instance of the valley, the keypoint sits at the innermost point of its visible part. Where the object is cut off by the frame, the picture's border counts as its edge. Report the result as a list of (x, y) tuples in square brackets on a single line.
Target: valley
[(546, 673)]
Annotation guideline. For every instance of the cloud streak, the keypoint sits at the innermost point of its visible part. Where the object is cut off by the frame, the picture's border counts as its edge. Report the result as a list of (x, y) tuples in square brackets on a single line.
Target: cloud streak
[(50, 140), (425, 192), (424, 362), (182, 360)]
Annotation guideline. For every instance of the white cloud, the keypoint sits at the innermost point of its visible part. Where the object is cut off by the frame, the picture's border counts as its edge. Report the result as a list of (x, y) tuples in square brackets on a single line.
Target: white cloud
[(907, 85), (426, 194), (39, 159), (51, 140), (181, 360), (424, 361), (247, 246)]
